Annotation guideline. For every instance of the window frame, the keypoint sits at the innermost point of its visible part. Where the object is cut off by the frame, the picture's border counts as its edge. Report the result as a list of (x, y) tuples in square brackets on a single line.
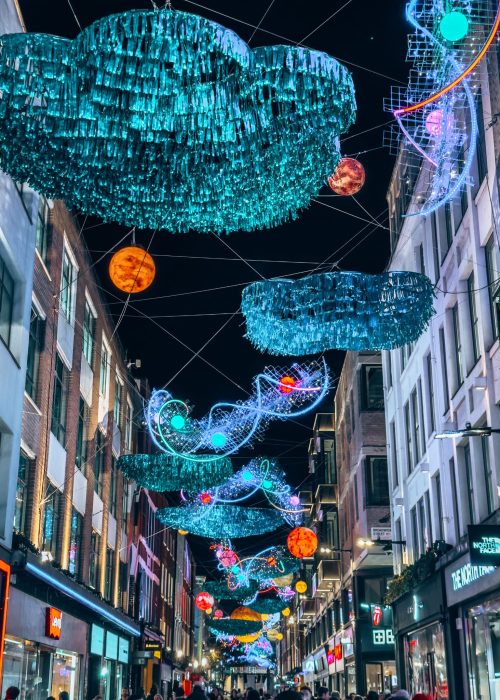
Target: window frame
[(89, 331), (474, 318), (68, 286), (35, 348), (42, 228), (8, 292), (457, 346), (371, 498), (365, 387), (60, 391)]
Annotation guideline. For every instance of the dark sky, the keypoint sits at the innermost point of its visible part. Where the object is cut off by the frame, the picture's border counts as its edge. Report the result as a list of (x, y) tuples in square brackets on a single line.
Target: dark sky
[(369, 33)]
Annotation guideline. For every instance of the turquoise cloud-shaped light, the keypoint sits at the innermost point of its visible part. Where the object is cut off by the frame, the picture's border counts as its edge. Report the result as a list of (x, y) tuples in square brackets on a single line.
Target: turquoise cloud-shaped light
[(164, 119)]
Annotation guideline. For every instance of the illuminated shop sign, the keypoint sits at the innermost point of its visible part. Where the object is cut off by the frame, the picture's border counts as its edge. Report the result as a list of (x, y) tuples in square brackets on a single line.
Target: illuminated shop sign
[(338, 652), (467, 574), (484, 544), (53, 623), (382, 636), (330, 657)]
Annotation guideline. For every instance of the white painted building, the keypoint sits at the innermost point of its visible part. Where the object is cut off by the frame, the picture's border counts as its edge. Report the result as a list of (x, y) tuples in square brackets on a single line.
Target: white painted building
[(18, 215), (448, 378)]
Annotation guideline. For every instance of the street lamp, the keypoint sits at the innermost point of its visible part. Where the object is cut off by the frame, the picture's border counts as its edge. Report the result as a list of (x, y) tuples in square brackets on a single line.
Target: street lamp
[(468, 431), (367, 542)]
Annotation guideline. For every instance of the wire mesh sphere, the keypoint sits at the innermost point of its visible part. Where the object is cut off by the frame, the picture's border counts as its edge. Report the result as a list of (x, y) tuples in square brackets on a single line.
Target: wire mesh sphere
[(132, 269), (226, 557), (348, 178), (302, 542), (204, 601)]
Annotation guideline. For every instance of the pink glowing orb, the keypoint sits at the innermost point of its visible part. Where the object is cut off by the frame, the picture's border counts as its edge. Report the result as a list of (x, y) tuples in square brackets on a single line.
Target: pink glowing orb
[(435, 122), (294, 500), (226, 557)]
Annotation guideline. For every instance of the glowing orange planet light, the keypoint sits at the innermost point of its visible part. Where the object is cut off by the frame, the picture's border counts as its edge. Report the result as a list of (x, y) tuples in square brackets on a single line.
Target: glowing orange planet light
[(348, 178), (301, 586), (132, 269), (287, 385), (302, 542), (244, 613), (204, 601)]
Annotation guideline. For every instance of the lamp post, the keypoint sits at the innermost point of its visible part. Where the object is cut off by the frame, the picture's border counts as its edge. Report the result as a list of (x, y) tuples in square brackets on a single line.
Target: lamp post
[(468, 431)]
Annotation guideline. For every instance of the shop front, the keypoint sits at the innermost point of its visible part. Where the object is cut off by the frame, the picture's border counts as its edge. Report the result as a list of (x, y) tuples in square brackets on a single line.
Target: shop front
[(422, 664), (109, 658), (473, 597), (45, 650), (335, 659), (320, 670), (375, 655)]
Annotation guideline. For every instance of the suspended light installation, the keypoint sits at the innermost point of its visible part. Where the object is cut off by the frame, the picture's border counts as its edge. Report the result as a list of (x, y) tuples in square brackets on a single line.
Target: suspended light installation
[(221, 521), (230, 426), (337, 310), (436, 133), (132, 269), (174, 121)]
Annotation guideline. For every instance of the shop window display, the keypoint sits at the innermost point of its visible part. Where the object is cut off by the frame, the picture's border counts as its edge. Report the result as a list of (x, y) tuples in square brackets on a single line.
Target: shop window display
[(381, 676), (426, 662), (483, 649), (40, 671)]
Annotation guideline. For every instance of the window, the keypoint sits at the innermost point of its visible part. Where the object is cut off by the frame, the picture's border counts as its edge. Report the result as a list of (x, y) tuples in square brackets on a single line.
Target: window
[(474, 320), (444, 372), (423, 527), (377, 484), (414, 533), (388, 364), (35, 345), (421, 259), (117, 410), (482, 161), (458, 346), (445, 230), (88, 333), (488, 476), (394, 457), (454, 495), (75, 539), (95, 545), (356, 506), (430, 386), (428, 519), (51, 519), (435, 246), (42, 228), (372, 388), (99, 462), (409, 438), (82, 435), (420, 401), (103, 376), (493, 275), (416, 426), (125, 513), (68, 279), (6, 303), (128, 428), (469, 483), (60, 400), (112, 487), (20, 511), (108, 579), (439, 503)]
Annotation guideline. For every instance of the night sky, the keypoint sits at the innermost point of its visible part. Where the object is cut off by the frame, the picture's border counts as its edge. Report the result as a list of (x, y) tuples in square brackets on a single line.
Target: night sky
[(368, 33)]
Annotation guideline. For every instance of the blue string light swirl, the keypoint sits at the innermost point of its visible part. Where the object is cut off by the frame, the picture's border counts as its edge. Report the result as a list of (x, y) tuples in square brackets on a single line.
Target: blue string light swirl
[(278, 394)]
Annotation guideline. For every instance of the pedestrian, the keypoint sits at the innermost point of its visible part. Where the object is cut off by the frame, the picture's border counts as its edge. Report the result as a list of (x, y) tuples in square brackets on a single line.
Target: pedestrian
[(152, 692), (422, 696), (64, 695), (51, 697), (252, 694), (323, 693), (372, 695), (306, 693), (158, 697), (402, 694), (289, 695), (335, 695), (125, 694), (12, 693), (197, 693)]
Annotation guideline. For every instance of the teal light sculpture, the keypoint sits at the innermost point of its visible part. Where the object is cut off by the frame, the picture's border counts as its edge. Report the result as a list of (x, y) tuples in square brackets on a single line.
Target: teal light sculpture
[(221, 522), (164, 119), (337, 310), (221, 590), (162, 472)]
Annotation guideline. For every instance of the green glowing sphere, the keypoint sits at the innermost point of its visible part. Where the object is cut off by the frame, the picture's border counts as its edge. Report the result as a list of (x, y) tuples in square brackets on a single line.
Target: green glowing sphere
[(454, 26), (267, 484), (177, 422), (219, 439), (247, 476)]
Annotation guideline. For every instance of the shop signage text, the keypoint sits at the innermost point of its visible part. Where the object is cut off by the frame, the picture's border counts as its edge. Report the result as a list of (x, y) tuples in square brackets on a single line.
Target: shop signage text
[(330, 657), (381, 533), (467, 574), (53, 623), (338, 652), (484, 544)]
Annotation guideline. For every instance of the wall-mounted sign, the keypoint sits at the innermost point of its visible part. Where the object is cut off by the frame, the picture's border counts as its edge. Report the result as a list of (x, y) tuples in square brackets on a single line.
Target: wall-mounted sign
[(338, 651), (382, 637), (53, 623), (484, 544), (111, 646), (377, 615), (97, 640), (330, 657), (153, 646), (381, 533), (467, 574)]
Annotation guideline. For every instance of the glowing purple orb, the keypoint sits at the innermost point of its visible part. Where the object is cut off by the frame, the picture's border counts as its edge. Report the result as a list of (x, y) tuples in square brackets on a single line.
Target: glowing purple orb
[(434, 122), (294, 501)]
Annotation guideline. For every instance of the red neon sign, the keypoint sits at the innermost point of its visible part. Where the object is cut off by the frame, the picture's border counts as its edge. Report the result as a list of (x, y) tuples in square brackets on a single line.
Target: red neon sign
[(330, 657), (377, 615), (338, 652)]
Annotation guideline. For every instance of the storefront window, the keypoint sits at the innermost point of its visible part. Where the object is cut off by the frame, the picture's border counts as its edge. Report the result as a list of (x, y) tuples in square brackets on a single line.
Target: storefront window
[(483, 649), (351, 678), (39, 671), (381, 676), (426, 662)]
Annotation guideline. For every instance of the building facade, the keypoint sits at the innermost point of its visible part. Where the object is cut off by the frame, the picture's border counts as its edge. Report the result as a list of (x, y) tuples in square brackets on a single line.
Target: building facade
[(447, 625), (364, 644)]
